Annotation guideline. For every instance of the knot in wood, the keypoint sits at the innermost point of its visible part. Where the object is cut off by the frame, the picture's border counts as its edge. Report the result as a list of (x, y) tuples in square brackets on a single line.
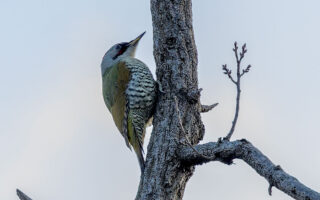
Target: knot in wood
[(171, 41)]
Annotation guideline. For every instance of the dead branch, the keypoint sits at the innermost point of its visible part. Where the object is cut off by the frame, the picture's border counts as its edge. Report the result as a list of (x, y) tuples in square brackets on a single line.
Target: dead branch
[(226, 152), (207, 108)]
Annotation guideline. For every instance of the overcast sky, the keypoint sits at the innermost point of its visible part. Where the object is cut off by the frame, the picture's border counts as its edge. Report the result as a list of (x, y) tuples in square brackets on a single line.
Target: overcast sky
[(58, 141)]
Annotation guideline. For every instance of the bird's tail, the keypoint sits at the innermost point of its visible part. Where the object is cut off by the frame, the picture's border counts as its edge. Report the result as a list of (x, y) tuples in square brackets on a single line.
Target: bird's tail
[(140, 158), (136, 132)]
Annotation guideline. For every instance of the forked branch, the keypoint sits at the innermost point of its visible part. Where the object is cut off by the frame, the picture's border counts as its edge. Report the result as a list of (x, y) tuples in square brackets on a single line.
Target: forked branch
[(239, 56), (226, 152)]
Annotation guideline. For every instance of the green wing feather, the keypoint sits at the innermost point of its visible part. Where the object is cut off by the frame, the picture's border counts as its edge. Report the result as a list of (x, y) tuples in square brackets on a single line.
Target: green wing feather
[(115, 81)]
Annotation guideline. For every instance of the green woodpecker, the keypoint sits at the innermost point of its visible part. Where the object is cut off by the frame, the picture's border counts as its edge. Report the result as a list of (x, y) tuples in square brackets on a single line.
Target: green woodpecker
[(129, 92)]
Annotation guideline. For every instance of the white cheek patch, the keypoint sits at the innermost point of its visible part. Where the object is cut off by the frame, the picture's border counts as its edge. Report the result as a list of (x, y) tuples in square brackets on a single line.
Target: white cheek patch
[(108, 59)]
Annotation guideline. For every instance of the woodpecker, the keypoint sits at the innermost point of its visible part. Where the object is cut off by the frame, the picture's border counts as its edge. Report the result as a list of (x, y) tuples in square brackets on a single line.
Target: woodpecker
[(129, 92)]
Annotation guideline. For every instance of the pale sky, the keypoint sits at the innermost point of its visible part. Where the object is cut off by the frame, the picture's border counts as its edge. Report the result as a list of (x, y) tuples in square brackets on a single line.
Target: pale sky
[(58, 141)]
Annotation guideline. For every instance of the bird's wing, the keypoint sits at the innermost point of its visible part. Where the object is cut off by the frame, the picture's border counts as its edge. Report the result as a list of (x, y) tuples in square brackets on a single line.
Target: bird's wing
[(141, 96), (115, 82)]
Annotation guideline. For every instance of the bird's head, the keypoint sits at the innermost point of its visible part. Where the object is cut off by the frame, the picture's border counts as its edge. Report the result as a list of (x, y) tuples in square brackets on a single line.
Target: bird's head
[(118, 51)]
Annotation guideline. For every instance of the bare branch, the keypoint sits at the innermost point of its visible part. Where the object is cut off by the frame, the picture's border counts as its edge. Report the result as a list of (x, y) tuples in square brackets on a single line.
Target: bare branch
[(237, 82), (226, 151), (207, 108), (22, 196)]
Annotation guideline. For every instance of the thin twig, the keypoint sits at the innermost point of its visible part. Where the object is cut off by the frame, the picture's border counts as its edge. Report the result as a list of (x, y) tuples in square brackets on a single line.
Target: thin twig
[(245, 70), (270, 189), (235, 50), (185, 134), (228, 72), (237, 83)]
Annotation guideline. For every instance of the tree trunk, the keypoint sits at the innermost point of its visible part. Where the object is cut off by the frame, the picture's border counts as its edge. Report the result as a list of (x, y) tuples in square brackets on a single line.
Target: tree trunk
[(175, 53)]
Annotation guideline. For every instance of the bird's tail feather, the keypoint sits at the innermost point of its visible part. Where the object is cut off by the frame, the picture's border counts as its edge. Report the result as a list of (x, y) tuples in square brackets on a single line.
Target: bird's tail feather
[(136, 135), (140, 159)]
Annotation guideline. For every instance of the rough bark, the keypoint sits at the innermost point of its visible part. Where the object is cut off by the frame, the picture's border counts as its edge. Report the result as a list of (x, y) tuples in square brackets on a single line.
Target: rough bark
[(176, 60)]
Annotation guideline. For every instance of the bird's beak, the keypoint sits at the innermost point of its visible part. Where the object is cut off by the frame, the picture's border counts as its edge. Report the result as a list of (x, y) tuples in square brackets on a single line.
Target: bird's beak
[(136, 41)]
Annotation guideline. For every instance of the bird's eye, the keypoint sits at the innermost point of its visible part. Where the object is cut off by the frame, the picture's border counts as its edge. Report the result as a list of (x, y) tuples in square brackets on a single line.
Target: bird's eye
[(118, 46)]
